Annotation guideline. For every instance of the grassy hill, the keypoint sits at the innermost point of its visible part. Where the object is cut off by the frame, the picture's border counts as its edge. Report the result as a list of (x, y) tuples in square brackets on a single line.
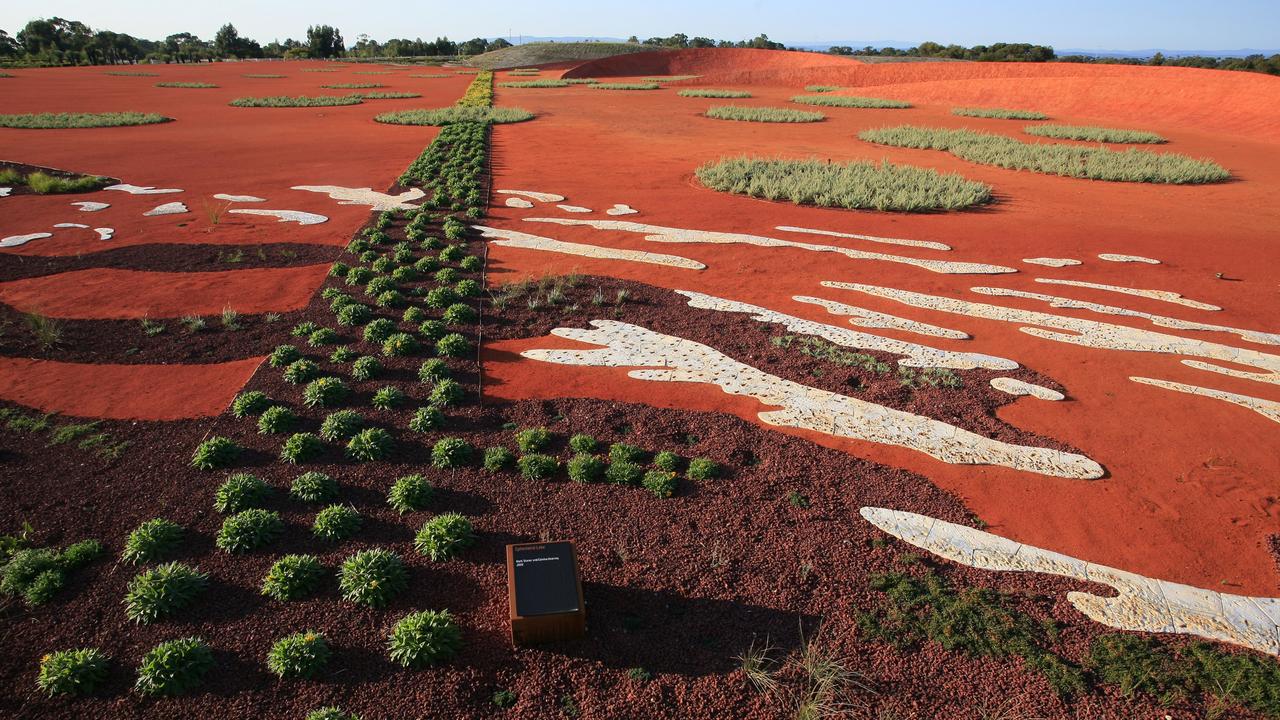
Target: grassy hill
[(549, 52)]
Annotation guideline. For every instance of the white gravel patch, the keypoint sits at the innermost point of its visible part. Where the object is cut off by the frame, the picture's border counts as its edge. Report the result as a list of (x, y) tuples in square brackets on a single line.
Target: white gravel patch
[(90, 206), (173, 208), (16, 240), (141, 189), (302, 218), (238, 198)]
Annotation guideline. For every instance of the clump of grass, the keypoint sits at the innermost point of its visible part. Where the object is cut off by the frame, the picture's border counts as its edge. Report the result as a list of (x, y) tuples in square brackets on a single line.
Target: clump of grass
[(387, 398), (853, 185), (72, 672), (276, 419), (444, 536), (293, 577), (626, 86), (623, 452), (333, 712), (668, 461), (283, 355), (409, 493), (849, 101), (46, 184), (301, 447), (702, 469), (762, 114), (301, 655), (824, 349), (337, 522), (532, 439), (372, 577), (174, 667), (341, 425), (713, 93), (216, 452), (370, 444), (386, 95), (1090, 133), (451, 452), (497, 459), (660, 482), (46, 330), (536, 466), (424, 638), (162, 591), (284, 101), (622, 472), (584, 468), (426, 419), (37, 574), (1093, 163), (185, 85), (325, 392), (352, 86), (56, 121), (313, 487), (998, 113), (153, 540), (249, 530), (821, 88), (543, 83), (456, 114), (239, 492)]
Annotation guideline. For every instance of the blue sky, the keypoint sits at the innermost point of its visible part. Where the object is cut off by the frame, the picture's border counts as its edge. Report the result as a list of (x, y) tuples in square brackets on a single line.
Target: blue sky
[(1095, 24)]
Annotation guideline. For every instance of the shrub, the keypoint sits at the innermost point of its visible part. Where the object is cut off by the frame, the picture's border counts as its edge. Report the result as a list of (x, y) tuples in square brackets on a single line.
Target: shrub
[(751, 113), (37, 574), (532, 439), (1078, 161), (433, 329), (441, 297), (444, 536), (999, 113), (1091, 133), (153, 540), (314, 487), (504, 698), (446, 393), (282, 355), (359, 276), (341, 425), (174, 667), (301, 655), (821, 88), (300, 371), (372, 577), (451, 452), (585, 468), (339, 269), (668, 461), (293, 577), (46, 184), (453, 345), (409, 493), (535, 466), (365, 368), (660, 482), (343, 354), (323, 336), (426, 419), (248, 530), (455, 114), (216, 452), (459, 314), (622, 472), (399, 345), (325, 392), (387, 398), (626, 86), (354, 314), (582, 443), (249, 403), (301, 447), (304, 328), (72, 672), (389, 298), (853, 185), (424, 638), (404, 274), (426, 264), (276, 419), (377, 331), (453, 230), (432, 371), (849, 101), (622, 452), (370, 444), (470, 263), (703, 469), (48, 121), (162, 591), (713, 93), (414, 315), (284, 101), (446, 276), (337, 522), (497, 459), (331, 712)]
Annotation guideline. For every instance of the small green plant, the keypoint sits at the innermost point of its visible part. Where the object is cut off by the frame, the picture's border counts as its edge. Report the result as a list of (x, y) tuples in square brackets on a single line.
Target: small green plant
[(585, 468), (414, 315), (426, 419), (351, 314), (399, 345), (410, 493), (701, 469), (366, 368), (72, 672), (37, 574), (668, 461), (998, 113), (470, 263), (153, 540), (797, 500), (300, 371), (341, 425), (377, 331), (283, 355), (249, 403), (370, 444), (249, 530), (151, 328), (387, 398), (433, 329), (622, 472), (276, 419), (660, 483), (583, 443), (337, 522), (451, 452), (313, 487), (622, 452), (424, 638), (459, 314), (497, 459), (174, 667), (325, 392), (301, 447), (372, 577), (504, 698), (303, 329), (193, 323), (301, 655), (752, 113), (446, 393), (358, 276), (343, 354), (536, 466), (446, 276), (639, 674), (293, 577), (453, 345), (323, 336), (240, 491), (1089, 133), (532, 439), (230, 319), (433, 370), (216, 452), (441, 297), (849, 101), (162, 591), (713, 93), (331, 712), (444, 536)]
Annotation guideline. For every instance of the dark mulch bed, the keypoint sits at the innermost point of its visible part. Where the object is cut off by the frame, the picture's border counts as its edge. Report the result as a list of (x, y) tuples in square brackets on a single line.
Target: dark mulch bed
[(169, 257)]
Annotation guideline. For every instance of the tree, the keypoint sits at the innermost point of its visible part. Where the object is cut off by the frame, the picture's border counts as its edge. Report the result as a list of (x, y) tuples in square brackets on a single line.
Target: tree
[(633, 40), (474, 46), (840, 50), (8, 46), (228, 43), (497, 44), (324, 41)]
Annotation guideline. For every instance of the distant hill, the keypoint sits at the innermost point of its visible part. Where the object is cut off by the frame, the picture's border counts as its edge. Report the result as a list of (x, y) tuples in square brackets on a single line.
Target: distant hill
[(538, 53)]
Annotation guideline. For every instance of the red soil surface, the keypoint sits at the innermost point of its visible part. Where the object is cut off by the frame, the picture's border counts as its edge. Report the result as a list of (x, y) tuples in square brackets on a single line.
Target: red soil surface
[(95, 294), (124, 392), (1191, 493)]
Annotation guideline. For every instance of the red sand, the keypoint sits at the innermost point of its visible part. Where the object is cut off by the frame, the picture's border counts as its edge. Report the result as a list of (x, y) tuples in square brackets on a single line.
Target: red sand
[(1191, 496), (95, 294), (124, 392)]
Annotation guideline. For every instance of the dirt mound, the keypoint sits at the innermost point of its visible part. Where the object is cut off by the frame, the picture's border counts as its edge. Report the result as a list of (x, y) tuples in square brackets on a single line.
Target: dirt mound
[(544, 53), (710, 62)]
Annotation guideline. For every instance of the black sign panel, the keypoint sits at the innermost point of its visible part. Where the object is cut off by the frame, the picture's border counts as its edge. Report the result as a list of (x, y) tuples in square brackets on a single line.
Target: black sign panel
[(545, 580)]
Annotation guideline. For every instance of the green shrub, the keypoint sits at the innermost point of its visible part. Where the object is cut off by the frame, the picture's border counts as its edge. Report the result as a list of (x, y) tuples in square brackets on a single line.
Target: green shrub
[(325, 392), (432, 371), (249, 530), (72, 672), (626, 86), (622, 472), (583, 443), (399, 345), (661, 483), (441, 297), (284, 101), (301, 655), (354, 314), (446, 393), (713, 93), (1078, 161), (365, 368), (668, 461), (372, 577), (377, 331), (446, 276), (497, 459), (337, 522), (424, 638), (370, 444), (351, 86), (343, 354), (426, 264), (998, 113), (751, 113), (240, 491), (293, 577), (504, 698), (622, 452), (249, 403), (444, 536), (300, 371), (153, 540), (453, 345), (174, 667), (282, 355), (426, 419), (389, 298), (409, 493), (339, 269), (414, 315), (586, 468), (45, 184), (1091, 133), (214, 453), (323, 336), (455, 114), (703, 469), (341, 425), (404, 274), (821, 88), (454, 230), (853, 185), (49, 121), (849, 101), (301, 447), (532, 439), (432, 329), (387, 398), (331, 712), (314, 487), (471, 263), (542, 83), (459, 314), (162, 591), (451, 452), (37, 574), (536, 466), (359, 276), (276, 419), (304, 328)]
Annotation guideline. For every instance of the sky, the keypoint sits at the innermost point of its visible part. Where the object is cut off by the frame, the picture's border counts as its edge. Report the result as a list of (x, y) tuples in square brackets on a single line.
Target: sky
[(1089, 24)]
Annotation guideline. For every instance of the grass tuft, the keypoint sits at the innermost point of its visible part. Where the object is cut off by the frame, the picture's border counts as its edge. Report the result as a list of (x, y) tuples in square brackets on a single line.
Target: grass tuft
[(1090, 133), (456, 114), (285, 101), (998, 113), (849, 101), (762, 114), (713, 93), (57, 121)]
